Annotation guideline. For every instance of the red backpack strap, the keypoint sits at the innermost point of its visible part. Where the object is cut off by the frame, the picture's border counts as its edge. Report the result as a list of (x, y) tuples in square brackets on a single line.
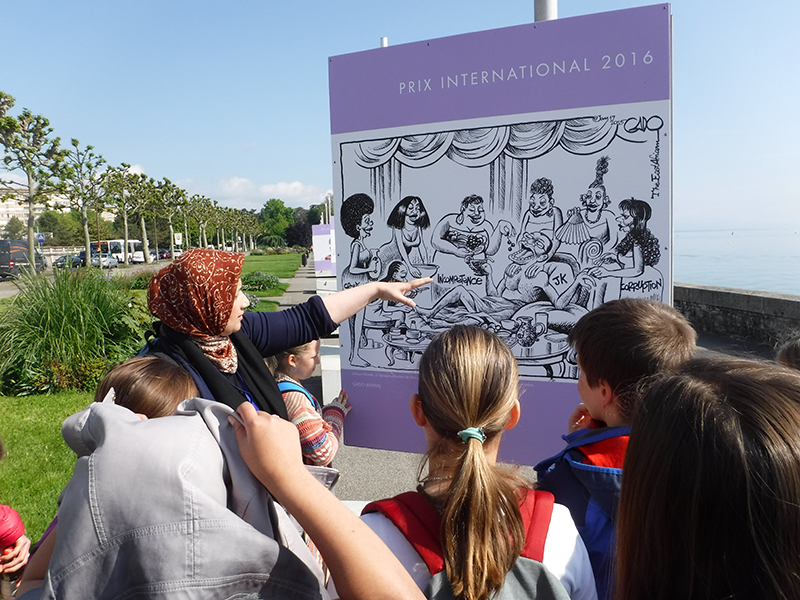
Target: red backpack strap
[(536, 509), (418, 521)]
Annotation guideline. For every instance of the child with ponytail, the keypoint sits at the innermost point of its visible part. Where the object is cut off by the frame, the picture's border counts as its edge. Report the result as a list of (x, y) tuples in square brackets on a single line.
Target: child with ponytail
[(475, 530)]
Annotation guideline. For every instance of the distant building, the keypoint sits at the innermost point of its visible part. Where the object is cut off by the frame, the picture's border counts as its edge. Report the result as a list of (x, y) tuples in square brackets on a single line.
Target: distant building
[(11, 207)]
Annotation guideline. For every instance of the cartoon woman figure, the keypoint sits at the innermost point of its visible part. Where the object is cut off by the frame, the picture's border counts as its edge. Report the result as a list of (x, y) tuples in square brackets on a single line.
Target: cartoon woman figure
[(364, 264), (408, 219), (468, 236), (638, 249), (542, 216), (592, 218)]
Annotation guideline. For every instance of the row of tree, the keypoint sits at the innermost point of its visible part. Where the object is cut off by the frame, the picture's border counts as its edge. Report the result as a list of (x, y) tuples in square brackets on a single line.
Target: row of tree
[(89, 184)]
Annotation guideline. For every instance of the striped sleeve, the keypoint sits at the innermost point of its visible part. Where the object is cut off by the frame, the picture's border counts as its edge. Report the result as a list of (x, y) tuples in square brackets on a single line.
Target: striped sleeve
[(318, 440)]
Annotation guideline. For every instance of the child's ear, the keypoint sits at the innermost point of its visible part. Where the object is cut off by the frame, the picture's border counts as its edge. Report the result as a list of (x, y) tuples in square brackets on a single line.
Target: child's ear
[(513, 418), (291, 360), (416, 410), (606, 393)]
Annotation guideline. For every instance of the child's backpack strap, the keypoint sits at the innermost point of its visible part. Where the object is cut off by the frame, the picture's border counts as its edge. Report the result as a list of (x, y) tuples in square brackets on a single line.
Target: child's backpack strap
[(420, 524), (288, 386), (536, 509), (418, 521)]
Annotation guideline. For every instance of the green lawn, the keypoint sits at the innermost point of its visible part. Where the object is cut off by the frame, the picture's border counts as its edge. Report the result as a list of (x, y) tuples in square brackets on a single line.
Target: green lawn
[(280, 265), (38, 463)]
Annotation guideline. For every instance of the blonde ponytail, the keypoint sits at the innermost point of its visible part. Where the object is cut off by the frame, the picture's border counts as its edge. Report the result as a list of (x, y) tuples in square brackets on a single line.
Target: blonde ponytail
[(468, 379)]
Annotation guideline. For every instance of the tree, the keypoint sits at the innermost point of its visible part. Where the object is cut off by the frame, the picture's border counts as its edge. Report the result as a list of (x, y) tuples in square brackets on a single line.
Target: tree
[(30, 148), (203, 211), (63, 229), (275, 218), (173, 199), (314, 215), (144, 198), (82, 184), (117, 184), (299, 234), (13, 228)]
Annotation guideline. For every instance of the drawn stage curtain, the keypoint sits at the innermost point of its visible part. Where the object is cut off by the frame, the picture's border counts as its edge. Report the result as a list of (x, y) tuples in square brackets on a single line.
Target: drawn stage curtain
[(505, 148)]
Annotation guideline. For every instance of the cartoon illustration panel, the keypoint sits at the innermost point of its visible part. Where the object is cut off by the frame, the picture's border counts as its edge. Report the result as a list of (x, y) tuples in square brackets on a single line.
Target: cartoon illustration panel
[(523, 226)]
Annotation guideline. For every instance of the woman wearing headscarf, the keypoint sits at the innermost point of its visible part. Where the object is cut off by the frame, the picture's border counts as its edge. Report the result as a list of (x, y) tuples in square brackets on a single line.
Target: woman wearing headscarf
[(204, 328)]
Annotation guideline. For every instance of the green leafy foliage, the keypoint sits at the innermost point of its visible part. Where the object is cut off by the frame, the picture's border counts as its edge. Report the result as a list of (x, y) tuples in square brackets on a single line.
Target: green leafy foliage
[(64, 334), (258, 281), (14, 228), (275, 217)]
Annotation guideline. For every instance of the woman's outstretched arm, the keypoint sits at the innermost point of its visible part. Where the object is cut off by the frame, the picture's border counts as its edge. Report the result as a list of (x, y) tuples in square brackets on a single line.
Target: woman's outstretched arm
[(343, 305), (360, 563)]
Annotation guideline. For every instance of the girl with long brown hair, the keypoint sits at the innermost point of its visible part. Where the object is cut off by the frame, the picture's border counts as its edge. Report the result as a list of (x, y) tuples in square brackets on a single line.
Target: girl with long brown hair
[(471, 525), (709, 506)]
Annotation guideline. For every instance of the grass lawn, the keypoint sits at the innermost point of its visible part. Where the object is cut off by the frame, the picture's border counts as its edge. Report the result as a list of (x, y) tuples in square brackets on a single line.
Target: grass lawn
[(38, 463), (266, 305), (280, 265)]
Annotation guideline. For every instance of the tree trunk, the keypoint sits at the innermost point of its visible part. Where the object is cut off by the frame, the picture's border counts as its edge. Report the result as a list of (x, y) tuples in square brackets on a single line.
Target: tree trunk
[(171, 240), (127, 244), (86, 239), (31, 218), (187, 243), (145, 243)]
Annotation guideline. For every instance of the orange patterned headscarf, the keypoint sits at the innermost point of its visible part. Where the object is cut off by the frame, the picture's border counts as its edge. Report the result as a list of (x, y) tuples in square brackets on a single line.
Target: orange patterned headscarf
[(194, 295)]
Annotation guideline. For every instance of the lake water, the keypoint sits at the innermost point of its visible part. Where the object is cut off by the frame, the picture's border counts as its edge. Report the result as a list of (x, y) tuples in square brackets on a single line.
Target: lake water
[(752, 259)]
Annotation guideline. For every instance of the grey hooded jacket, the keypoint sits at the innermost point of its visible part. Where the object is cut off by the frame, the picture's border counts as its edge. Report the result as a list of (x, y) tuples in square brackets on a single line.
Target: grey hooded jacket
[(163, 509)]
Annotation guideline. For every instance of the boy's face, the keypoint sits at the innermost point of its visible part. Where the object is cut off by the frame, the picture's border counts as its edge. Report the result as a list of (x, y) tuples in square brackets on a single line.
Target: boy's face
[(592, 397)]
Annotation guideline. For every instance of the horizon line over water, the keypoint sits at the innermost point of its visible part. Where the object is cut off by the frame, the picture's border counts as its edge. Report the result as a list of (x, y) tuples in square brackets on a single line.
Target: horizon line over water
[(763, 259)]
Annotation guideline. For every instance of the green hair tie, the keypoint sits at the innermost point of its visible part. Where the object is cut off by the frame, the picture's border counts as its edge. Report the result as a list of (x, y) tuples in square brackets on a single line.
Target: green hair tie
[(472, 432)]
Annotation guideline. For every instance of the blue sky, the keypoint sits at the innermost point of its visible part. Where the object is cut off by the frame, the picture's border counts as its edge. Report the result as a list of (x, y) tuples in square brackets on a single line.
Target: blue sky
[(230, 99)]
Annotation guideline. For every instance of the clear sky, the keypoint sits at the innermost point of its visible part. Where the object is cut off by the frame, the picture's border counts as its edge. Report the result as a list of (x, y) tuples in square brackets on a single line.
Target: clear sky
[(230, 99)]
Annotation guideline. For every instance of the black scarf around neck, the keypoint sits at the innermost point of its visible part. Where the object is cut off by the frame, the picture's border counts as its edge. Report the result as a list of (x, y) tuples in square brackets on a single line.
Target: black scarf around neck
[(252, 369)]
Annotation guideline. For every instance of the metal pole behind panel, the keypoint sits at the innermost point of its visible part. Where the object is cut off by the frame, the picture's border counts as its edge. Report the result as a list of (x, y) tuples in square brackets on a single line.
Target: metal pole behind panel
[(545, 10)]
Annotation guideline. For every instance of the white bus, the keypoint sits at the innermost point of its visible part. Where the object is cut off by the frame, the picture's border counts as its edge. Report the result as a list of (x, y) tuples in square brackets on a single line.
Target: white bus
[(115, 248)]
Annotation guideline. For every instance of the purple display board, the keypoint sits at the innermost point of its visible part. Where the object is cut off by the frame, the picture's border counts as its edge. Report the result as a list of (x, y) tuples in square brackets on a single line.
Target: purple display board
[(518, 167), (324, 242)]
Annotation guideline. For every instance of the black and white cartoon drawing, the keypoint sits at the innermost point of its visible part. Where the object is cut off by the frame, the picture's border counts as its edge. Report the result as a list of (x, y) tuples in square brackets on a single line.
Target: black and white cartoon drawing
[(592, 220), (464, 243), (516, 257), (543, 215), (364, 263), (408, 220)]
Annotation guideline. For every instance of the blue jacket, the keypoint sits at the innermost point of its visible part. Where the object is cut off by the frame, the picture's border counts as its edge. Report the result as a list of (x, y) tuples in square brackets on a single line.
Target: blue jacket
[(592, 495)]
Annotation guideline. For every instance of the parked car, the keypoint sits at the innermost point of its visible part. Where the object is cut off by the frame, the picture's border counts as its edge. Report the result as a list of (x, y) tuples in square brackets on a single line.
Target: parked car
[(67, 261), (82, 257), (163, 254), (14, 258), (178, 252), (104, 260)]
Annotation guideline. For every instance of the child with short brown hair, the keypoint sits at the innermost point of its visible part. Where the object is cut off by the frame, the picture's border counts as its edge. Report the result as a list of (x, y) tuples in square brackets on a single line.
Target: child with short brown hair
[(147, 385), (618, 344)]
